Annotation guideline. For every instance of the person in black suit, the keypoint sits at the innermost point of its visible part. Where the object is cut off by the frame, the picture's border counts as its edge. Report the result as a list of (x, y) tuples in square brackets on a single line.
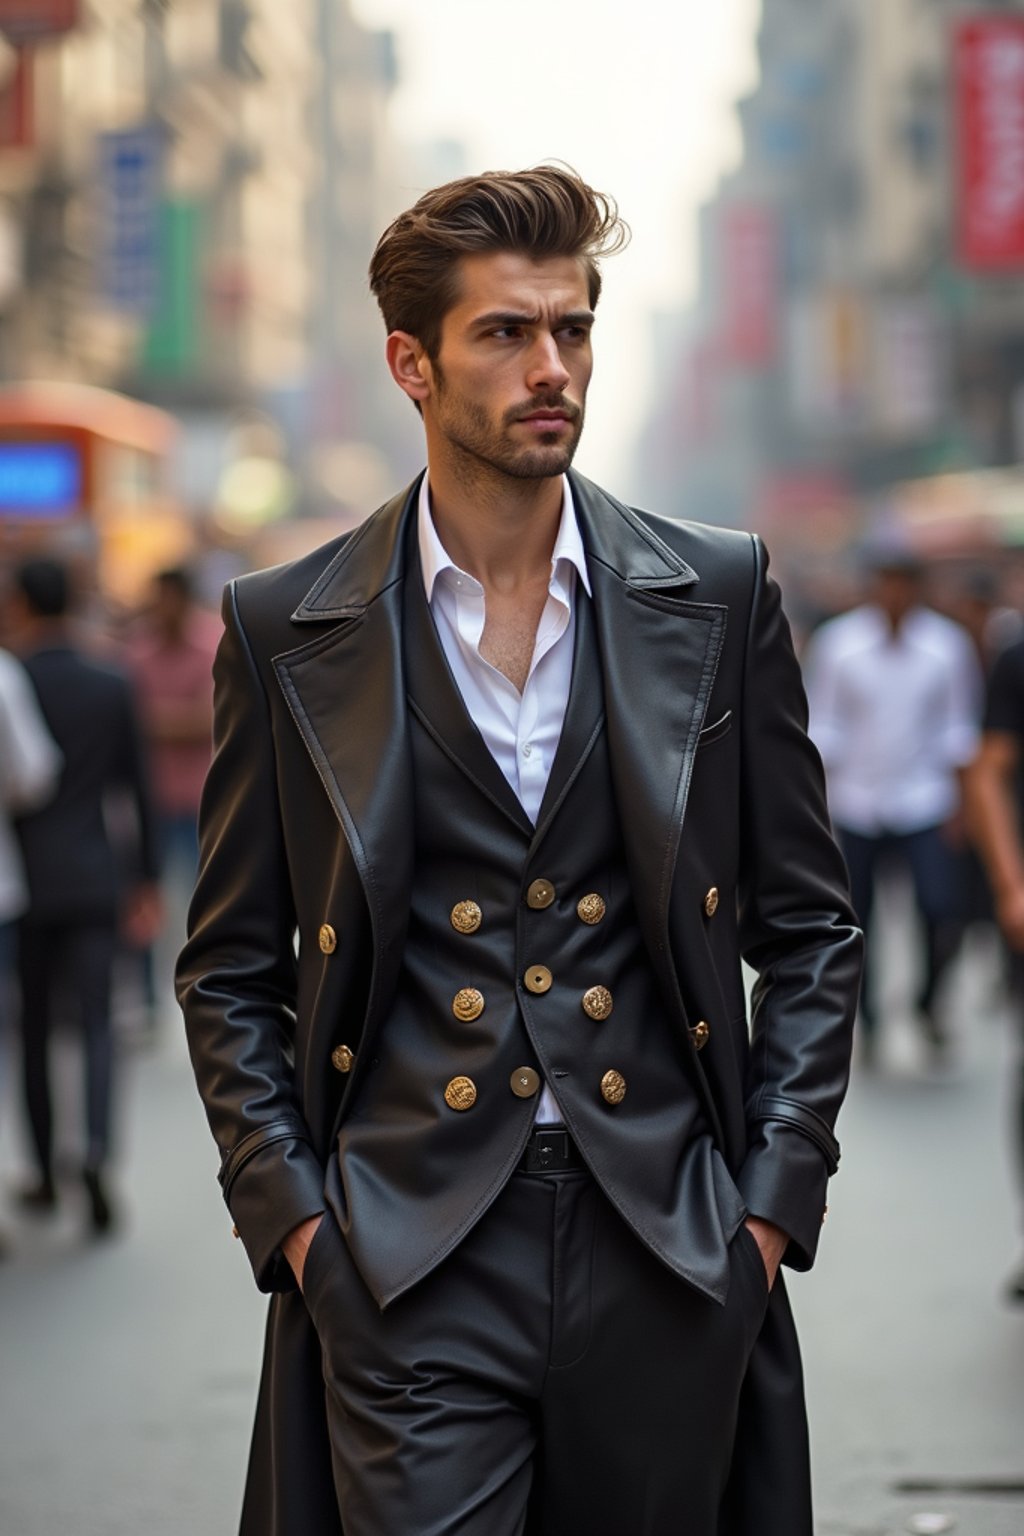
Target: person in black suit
[(76, 900), (506, 783)]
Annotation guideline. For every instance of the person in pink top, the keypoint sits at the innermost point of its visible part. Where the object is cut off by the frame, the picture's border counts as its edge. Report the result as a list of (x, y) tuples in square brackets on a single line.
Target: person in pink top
[(172, 659), (170, 656)]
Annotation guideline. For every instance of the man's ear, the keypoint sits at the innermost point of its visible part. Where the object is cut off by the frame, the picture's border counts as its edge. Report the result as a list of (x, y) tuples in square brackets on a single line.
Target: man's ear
[(410, 365)]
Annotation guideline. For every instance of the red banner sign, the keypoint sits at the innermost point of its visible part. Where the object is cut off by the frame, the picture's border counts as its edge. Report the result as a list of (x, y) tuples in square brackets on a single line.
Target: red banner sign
[(16, 118), (23, 20), (989, 98), (750, 284)]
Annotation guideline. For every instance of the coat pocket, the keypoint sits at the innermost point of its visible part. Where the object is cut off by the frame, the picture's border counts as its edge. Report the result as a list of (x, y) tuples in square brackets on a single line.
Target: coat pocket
[(714, 732)]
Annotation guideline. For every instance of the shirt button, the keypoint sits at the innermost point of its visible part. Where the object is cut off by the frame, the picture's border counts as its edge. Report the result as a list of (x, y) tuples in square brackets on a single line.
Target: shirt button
[(527, 748)]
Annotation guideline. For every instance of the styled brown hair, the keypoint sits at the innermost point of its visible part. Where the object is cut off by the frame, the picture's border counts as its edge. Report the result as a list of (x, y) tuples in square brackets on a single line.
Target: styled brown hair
[(546, 211)]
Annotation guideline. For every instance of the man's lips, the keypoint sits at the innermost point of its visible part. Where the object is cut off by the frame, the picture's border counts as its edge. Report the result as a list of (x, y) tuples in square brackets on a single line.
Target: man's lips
[(547, 416)]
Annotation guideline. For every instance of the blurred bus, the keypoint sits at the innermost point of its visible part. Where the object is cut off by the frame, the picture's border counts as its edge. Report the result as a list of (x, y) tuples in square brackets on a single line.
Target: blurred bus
[(84, 473)]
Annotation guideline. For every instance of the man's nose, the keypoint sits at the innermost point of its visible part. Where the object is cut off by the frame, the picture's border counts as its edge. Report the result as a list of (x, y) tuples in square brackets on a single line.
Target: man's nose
[(546, 368)]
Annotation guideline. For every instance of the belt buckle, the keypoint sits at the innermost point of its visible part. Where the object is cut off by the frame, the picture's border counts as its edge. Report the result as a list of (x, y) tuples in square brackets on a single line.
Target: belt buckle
[(550, 1149)]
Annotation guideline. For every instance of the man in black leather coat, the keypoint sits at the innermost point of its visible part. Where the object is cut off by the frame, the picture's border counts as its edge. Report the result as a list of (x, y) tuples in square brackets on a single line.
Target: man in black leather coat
[(525, 772)]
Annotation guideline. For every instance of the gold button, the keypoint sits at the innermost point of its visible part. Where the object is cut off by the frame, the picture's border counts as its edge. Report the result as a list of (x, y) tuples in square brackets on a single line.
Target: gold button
[(328, 939), (597, 1003), (235, 1232), (700, 1034), (342, 1058), (711, 902), (613, 1087), (525, 1082), (540, 894), (466, 917), (460, 1093), (591, 908), (538, 979), (468, 1004)]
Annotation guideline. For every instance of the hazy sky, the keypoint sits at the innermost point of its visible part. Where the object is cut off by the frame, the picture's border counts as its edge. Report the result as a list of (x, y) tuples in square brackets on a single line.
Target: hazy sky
[(637, 95)]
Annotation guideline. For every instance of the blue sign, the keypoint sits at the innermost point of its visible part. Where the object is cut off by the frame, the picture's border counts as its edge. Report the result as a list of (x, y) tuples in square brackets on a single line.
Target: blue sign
[(40, 480), (131, 171)]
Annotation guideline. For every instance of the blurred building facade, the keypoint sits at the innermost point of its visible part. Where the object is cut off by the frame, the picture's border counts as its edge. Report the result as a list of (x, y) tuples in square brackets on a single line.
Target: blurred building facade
[(189, 192), (859, 321)]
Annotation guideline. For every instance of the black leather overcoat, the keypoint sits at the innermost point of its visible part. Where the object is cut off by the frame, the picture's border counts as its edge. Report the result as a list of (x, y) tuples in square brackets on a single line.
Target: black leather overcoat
[(306, 823)]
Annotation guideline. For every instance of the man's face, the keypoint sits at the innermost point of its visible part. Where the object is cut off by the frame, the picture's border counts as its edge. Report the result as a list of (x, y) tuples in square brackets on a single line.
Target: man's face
[(170, 608), (896, 591), (509, 384)]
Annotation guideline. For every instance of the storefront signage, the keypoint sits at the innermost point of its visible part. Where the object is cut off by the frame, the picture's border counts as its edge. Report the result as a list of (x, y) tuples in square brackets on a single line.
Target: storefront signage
[(989, 100), (22, 21)]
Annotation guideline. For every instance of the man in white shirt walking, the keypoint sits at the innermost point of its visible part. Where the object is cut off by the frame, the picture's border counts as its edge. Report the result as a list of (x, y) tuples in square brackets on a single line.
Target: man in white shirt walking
[(894, 690)]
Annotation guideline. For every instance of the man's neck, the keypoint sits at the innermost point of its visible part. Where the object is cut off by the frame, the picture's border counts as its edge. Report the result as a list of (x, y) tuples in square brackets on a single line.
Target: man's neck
[(498, 529), (38, 633)]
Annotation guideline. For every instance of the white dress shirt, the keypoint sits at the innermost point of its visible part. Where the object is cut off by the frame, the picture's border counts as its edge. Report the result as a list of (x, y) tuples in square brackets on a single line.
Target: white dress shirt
[(521, 730), (894, 715), (29, 769)]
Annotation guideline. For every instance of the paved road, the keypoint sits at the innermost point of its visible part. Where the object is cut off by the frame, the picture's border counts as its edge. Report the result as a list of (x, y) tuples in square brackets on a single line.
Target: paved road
[(127, 1369)]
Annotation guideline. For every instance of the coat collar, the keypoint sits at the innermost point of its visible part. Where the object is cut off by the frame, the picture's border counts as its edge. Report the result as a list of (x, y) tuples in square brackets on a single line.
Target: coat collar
[(373, 559)]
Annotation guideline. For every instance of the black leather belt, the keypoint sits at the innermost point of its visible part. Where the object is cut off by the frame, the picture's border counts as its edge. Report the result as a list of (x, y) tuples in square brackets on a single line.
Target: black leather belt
[(550, 1149)]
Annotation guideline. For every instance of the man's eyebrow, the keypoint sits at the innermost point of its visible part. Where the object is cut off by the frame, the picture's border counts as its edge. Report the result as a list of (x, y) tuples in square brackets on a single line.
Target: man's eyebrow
[(500, 317)]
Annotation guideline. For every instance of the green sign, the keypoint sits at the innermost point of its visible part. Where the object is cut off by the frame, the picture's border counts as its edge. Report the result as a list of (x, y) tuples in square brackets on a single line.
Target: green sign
[(173, 340)]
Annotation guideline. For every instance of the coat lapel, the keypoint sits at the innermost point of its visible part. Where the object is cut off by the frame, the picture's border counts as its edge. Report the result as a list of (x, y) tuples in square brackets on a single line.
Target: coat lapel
[(659, 653), (584, 714), (346, 692)]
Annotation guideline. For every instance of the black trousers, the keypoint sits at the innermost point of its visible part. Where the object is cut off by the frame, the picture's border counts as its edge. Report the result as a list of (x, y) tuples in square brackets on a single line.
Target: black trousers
[(71, 961), (936, 875), (550, 1378)]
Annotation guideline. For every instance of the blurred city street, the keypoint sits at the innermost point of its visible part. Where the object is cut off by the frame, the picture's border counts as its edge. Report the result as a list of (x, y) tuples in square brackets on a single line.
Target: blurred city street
[(128, 1367), (212, 215)]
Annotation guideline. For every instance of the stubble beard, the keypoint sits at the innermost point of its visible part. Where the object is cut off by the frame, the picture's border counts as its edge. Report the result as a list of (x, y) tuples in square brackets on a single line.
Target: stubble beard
[(480, 446)]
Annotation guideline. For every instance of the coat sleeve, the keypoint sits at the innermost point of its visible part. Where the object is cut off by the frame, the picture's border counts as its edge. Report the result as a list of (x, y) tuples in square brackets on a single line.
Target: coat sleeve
[(237, 974), (798, 933)]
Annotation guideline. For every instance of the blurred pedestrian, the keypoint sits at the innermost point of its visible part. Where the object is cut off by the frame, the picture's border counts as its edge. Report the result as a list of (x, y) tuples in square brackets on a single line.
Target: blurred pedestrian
[(894, 690), (68, 934), (996, 798), (170, 655), (975, 601), (29, 766)]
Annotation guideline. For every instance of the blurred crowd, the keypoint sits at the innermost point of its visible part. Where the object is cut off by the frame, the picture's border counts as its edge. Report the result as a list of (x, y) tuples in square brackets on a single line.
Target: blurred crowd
[(105, 732), (916, 699), (916, 694)]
